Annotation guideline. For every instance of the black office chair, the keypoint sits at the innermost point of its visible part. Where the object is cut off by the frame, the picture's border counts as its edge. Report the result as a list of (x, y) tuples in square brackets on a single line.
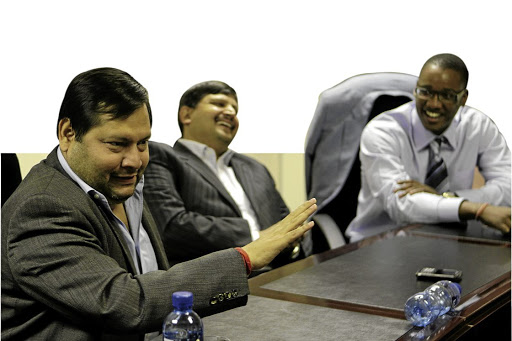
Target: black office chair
[(11, 175), (333, 174)]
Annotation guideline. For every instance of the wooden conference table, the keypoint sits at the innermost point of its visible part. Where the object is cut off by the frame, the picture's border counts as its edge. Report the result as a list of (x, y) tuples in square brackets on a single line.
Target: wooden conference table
[(357, 292)]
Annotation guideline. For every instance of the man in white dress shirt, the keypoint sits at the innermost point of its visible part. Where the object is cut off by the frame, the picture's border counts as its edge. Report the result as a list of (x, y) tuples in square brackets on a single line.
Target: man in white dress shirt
[(435, 138)]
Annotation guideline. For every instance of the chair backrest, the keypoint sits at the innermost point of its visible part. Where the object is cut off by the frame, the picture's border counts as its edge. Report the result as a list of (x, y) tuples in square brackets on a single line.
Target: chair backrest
[(332, 144), (11, 175)]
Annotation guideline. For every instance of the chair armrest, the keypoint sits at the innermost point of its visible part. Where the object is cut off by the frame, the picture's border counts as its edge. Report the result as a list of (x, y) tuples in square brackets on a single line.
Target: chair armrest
[(330, 230)]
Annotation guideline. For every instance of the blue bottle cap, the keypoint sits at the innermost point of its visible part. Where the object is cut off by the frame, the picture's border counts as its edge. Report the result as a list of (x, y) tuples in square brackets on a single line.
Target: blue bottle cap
[(458, 287), (182, 299)]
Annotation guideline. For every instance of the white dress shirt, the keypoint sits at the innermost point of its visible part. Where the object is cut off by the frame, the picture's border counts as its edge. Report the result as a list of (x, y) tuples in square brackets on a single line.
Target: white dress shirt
[(394, 146), (228, 178)]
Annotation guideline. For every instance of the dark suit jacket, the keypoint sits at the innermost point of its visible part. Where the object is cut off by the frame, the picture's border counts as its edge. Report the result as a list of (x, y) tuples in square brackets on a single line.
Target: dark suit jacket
[(194, 211), (67, 273)]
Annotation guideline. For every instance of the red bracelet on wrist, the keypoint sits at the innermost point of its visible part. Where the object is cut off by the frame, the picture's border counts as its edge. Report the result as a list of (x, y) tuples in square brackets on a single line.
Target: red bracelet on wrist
[(247, 260), (480, 210)]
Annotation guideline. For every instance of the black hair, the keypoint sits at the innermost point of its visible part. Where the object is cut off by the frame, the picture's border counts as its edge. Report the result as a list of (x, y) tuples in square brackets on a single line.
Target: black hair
[(195, 94), (101, 91), (452, 62)]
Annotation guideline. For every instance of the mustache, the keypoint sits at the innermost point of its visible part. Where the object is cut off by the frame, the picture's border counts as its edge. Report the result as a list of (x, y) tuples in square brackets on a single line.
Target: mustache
[(129, 172)]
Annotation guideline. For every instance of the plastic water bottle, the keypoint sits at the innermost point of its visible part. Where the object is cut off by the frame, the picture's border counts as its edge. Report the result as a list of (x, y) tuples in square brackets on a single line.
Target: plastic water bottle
[(183, 324), (424, 307)]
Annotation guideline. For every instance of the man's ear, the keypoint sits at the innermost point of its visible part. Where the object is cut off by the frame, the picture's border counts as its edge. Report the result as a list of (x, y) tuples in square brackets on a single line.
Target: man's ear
[(185, 115), (66, 134), (464, 98)]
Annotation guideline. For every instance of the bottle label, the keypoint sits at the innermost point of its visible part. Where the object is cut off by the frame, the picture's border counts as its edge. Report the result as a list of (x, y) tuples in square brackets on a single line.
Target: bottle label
[(183, 335)]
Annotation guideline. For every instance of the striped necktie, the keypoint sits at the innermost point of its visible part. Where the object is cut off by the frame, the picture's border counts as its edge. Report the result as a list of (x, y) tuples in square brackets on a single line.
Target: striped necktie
[(437, 176)]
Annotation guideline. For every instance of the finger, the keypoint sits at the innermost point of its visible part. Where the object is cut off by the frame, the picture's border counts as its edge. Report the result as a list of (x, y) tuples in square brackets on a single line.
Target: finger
[(401, 182), (412, 190), (302, 217), (299, 232), (403, 188), (410, 184), (417, 190), (403, 194), (298, 211), (501, 226), (304, 206), (504, 228)]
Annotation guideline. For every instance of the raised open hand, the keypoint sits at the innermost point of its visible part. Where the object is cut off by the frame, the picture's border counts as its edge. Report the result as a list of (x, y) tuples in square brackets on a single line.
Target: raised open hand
[(276, 238)]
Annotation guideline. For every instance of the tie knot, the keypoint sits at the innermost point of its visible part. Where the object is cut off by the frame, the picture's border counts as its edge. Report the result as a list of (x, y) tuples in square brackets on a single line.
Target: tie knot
[(436, 143), (440, 139)]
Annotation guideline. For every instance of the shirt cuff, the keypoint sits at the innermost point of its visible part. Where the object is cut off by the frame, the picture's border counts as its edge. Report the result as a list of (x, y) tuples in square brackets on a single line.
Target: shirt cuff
[(448, 209)]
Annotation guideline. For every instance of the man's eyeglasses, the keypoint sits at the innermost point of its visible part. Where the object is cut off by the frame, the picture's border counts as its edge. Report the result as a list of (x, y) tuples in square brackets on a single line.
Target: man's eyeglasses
[(449, 97)]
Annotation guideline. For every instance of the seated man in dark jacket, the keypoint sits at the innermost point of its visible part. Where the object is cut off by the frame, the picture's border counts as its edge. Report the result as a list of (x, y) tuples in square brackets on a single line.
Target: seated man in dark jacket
[(204, 196), (81, 255)]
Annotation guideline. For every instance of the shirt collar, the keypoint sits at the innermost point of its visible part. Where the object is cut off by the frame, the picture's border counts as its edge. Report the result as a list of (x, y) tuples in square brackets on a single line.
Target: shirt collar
[(423, 137), (206, 153)]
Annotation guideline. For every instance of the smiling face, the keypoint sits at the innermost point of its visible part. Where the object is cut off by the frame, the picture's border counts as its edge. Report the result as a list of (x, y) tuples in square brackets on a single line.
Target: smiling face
[(213, 121), (436, 114), (112, 156)]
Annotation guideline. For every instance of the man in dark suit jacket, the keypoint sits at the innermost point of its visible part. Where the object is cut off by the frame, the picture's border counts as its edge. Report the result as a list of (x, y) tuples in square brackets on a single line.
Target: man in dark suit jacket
[(204, 196), (81, 255)]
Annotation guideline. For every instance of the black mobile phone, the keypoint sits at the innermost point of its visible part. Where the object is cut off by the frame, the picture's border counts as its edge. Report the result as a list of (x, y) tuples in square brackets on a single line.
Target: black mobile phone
[(439, 274)]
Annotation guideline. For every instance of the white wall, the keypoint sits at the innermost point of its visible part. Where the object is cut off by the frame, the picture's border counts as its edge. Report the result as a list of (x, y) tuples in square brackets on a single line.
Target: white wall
[(278, 55)]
